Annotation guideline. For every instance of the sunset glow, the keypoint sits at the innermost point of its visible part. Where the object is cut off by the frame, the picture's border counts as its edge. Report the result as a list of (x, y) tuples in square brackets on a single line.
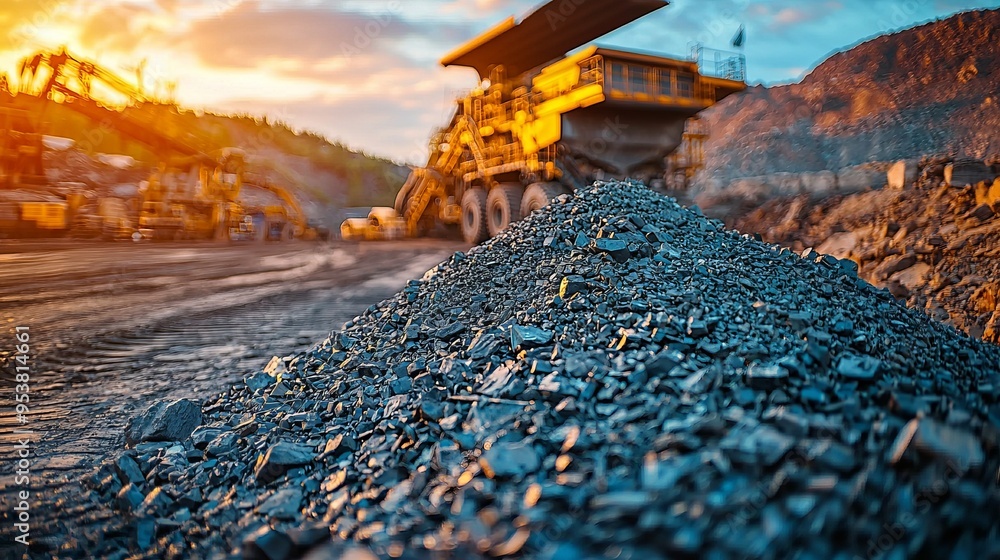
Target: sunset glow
[(366, 72)]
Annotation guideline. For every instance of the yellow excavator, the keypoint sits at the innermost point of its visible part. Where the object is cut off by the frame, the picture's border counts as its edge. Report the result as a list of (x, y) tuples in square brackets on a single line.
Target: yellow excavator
[(195, 192), (196, 198), (286, 220), (544, 122), (193, 195)]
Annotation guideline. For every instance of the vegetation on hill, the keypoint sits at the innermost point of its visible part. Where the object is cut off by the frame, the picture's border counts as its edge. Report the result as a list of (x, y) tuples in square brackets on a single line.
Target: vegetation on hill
[(307, 162)]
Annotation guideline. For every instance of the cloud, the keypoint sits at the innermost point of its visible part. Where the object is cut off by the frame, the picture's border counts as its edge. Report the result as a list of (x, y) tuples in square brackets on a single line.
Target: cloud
[(366, 71), (252, 32), (25, 22), (135, 25), (393, 126), (789, 16)]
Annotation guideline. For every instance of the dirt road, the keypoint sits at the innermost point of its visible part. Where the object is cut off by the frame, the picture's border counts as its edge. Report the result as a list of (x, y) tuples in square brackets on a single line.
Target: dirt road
[(115, 327)]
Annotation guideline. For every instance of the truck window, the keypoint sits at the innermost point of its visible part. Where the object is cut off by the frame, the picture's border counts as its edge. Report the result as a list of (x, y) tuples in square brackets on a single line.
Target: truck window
[(638, 80), (666, 87), (618, 76), (685, 85)]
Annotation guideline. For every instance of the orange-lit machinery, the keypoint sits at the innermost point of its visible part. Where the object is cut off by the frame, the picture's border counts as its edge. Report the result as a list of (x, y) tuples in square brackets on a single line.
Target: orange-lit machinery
[(26, 207), (688, 158), (110, 101), (20, 149), (283, 221), (536, 128), (194, 193), (196, 199), (382, 224)]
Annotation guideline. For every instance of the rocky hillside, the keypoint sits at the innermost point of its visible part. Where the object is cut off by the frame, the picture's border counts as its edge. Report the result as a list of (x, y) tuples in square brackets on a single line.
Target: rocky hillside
[(929, 89), (933, 247)]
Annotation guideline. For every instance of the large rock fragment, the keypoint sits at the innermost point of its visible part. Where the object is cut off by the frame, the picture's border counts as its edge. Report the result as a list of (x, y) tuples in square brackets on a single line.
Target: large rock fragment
[(988, 193), (913, 277), (963, 172), (958, 448), (528, 337), (283, 504), (279, 458), (164, 421), (268, 544), (902, 174), (616, 248), (892, 265), (862, 368), (510, 460), (839, 245)]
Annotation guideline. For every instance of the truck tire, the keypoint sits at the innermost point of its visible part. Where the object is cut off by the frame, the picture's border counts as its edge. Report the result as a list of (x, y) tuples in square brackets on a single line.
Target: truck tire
[(474, 228), (504, 206), (539, 195)]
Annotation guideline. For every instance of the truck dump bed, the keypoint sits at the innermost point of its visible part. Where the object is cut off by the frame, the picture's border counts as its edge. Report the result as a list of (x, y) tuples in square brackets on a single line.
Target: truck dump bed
[(547, 34)]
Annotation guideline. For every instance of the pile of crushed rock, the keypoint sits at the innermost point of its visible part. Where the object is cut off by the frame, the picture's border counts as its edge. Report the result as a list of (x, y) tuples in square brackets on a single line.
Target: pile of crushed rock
[(614, 376)]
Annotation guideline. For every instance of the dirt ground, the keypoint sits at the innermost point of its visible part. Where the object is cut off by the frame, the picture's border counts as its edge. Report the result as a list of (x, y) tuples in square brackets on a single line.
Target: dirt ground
[(117, 326)]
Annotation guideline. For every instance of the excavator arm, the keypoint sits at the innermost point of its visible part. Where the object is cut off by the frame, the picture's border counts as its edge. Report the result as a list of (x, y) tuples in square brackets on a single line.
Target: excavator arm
[(296, 216), (93, 90)]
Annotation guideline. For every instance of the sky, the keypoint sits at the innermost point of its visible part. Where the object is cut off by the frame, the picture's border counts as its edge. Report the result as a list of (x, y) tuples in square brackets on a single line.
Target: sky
[(366, 72)]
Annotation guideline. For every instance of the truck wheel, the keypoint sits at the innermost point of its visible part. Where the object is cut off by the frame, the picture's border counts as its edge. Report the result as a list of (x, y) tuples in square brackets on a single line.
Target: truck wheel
[(474, 228), (539, 195), (504, 206)]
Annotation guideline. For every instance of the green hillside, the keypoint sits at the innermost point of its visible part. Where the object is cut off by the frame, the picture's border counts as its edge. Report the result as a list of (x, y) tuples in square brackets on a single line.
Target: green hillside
[(318, 169)]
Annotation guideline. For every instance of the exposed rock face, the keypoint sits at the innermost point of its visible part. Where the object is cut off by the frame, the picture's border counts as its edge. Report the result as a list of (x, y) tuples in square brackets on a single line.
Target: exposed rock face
[(935, 247), (930, 89)]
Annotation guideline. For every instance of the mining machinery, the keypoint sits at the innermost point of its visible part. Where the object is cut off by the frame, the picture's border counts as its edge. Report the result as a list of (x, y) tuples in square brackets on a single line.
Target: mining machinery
[(27, 207), (283, 221), (193, 194), (550, 116), (20, 148)]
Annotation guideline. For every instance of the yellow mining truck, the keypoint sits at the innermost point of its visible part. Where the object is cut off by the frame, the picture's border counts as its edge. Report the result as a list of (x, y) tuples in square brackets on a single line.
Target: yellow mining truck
[(536, 128)]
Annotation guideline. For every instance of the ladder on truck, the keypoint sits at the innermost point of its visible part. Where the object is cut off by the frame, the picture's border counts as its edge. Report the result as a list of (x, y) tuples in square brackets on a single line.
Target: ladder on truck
[(426, 183)]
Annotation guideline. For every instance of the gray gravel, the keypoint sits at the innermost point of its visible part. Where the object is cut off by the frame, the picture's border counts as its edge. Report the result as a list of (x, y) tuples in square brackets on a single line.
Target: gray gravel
[(615, 376)]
